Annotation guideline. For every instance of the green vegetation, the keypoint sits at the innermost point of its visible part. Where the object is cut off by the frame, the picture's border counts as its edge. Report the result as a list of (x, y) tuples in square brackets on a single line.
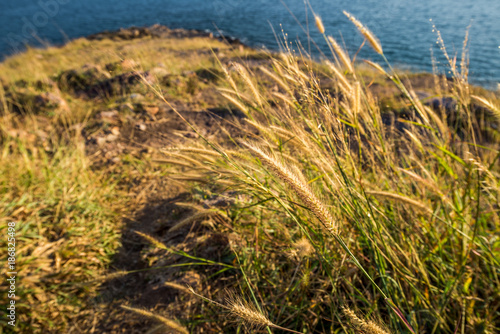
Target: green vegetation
[(66, 228)]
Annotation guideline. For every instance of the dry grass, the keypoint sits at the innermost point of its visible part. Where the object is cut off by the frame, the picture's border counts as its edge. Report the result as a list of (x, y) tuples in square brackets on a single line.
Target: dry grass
[(170, 326), (65, 213), (69, 206), (410, 206), (335, 205)]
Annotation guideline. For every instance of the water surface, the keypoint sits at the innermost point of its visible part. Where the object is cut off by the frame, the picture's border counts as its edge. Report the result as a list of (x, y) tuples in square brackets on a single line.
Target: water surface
[(403, 26)]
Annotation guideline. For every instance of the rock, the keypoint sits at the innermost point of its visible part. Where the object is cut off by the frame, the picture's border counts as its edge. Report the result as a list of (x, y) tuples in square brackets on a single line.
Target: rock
[(123, 34), (120, 84), (100, 141), (448, 104), (141, 126), (51, 101), (111, 116), (111, 137), (136, 97), (151, 110), (115, 131), (159, 72)]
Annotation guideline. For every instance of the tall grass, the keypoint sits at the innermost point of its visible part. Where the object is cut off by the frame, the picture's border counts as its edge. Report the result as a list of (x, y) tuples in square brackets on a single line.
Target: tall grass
[(67, 228), (401, 209)]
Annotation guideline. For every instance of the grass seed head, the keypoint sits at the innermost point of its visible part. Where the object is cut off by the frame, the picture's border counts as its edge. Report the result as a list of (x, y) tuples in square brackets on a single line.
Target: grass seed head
[(247, 312), (170, 324), (344, 58), (303, 248), (302, 189), (319, 24), (374, 42), (366, 326)]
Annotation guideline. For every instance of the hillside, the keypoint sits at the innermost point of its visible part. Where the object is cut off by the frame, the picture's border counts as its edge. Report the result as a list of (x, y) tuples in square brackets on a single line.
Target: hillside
[(143, 162)]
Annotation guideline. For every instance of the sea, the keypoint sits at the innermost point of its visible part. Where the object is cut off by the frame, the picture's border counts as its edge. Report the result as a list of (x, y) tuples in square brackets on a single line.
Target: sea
[(408, 30)]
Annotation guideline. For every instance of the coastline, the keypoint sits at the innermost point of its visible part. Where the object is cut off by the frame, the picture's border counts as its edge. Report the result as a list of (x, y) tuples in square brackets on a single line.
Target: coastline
[(95, 98)]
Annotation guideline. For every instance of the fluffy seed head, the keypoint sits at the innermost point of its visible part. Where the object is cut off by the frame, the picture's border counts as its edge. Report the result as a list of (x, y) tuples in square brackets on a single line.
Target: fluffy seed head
[(376, 66), (374, 42), (343, 83), (246, 77), (155, 242), (366, 326), (302, 190), (301, 249), (234, 101), (488, 104), (177, 287), (319, 24), (195, 150), (247, 312), (344, 58)]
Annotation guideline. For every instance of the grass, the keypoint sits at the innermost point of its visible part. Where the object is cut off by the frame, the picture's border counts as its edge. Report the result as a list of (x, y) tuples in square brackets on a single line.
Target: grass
[(402, 215), (353, 205), (149, 52), (68, 201), (67, 228)]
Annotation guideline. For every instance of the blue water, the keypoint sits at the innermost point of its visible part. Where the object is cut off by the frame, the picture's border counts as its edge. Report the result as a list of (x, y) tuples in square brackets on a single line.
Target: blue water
[(403, 26)]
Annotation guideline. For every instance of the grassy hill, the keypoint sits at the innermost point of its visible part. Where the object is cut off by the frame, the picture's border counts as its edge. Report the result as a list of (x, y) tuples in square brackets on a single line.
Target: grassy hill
[(170, 181)]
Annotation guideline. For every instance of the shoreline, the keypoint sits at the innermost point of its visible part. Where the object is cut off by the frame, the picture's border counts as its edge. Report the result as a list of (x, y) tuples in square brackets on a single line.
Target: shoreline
[(162, 31)]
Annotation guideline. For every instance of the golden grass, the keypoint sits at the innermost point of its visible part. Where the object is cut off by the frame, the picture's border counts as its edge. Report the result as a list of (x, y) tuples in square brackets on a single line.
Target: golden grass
[(324, 171), (40, 64), (374, 42), (170, 325), (64, 213), (408, 202), (302, 190), (366, 326)]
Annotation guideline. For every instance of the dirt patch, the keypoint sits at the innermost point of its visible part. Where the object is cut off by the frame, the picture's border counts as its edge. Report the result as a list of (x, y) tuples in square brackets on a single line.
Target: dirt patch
[(150, 267)]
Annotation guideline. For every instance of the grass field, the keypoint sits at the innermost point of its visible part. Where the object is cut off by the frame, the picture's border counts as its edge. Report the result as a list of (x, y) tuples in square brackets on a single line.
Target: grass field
[(231, 190)]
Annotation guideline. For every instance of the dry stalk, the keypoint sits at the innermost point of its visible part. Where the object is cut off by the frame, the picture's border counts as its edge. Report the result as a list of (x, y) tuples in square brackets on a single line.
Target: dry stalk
[(170, 324), (302, 189), (344, 58), (366, 326), (403, 199), (197, 216)]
